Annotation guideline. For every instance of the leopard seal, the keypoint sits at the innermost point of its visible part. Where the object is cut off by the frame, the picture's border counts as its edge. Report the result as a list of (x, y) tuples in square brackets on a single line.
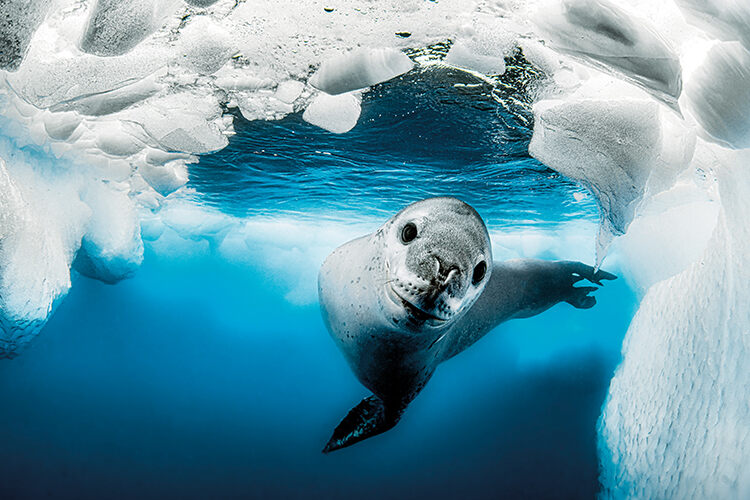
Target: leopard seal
[(418, 291)]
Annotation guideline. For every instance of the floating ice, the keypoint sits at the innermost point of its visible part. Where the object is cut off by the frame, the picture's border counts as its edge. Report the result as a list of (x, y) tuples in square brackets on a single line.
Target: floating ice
[(111, 101), (125, 94), (112, 248), (359, 69), (602, 34), (483, 49), (335, 113), (165, 178), (19, 20), (60, 126), (93, 80), (612, 147), (37, 246), (205, 47), (670, 233), (184, 122), (719, 94), (727, 20), (115, 27)]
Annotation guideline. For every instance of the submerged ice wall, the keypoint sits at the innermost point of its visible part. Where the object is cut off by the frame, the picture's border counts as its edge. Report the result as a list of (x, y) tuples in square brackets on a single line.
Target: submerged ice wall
[(674, 185), (105, 104)]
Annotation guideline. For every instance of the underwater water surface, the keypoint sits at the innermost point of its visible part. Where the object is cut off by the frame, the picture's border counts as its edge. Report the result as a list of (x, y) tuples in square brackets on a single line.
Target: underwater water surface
[(205, 376)]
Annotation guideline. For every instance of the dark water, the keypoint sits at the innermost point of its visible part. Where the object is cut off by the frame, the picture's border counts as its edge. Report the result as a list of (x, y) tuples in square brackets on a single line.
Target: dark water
[(200, 378), (430, 133), (194, 380)]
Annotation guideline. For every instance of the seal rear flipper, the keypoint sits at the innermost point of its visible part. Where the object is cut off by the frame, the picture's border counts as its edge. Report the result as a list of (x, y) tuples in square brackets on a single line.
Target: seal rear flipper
[(369, 418)]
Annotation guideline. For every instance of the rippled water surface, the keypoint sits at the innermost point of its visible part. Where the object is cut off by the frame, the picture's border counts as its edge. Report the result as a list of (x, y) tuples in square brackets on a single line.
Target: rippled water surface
[(432, 132)]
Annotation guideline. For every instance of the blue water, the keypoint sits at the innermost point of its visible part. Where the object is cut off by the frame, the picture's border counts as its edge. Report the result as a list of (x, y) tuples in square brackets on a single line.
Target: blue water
[(432, 132), (199, 379)]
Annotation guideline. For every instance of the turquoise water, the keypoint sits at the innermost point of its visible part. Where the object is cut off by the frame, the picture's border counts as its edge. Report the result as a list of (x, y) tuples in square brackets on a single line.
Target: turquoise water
[(210, 373)]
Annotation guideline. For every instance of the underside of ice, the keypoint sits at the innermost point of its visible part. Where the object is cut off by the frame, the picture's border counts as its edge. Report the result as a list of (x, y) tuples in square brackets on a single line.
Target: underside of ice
[(359, 69), (18, 21), (603, 34), (721, 104), (114, 27), (36, 251), (613, 147), (727, 20), (335, 113), (118, 98)]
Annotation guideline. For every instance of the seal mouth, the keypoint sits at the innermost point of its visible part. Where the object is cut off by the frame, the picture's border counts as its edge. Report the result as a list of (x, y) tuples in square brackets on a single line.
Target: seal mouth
[(412, 310)]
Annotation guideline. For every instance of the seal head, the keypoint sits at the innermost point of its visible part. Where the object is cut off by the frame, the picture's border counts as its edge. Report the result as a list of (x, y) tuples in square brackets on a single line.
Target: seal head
[(437, 260)]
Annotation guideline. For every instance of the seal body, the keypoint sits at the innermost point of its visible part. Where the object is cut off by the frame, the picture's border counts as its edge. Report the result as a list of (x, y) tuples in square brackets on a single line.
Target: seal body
[(419, 290)]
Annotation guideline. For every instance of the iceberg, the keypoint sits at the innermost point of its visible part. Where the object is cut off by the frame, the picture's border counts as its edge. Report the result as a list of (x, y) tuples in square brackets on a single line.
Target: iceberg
[(36, 251)]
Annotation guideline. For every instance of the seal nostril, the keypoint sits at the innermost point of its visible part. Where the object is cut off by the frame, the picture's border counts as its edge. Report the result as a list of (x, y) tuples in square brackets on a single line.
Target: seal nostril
[(444, 271)]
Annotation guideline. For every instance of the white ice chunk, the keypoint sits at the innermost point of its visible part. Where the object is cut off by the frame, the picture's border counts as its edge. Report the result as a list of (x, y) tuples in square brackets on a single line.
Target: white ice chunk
[(112, 248), (116, 27), (262, 105), (335, 113), (461, 56), (151, 228), (719, 95), (289, 90), (119, 139), (232, 79), (360, 68), (40, 228), (60, 126), (45, 84), (165, 179), (204, 46), (192, 222), (727, 20), (111, 101), (159, 157), (182, 122), (608, 37), (611, 146), (670, 233), (19, 20), (482, 49)]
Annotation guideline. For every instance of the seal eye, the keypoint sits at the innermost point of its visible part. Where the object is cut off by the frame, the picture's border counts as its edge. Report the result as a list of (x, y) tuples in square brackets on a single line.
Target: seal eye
[(479, 271), (408, 233)]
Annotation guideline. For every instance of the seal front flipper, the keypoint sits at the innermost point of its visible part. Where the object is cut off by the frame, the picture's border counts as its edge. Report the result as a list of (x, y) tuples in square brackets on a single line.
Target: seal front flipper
[(579, 296), (369, 418)]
